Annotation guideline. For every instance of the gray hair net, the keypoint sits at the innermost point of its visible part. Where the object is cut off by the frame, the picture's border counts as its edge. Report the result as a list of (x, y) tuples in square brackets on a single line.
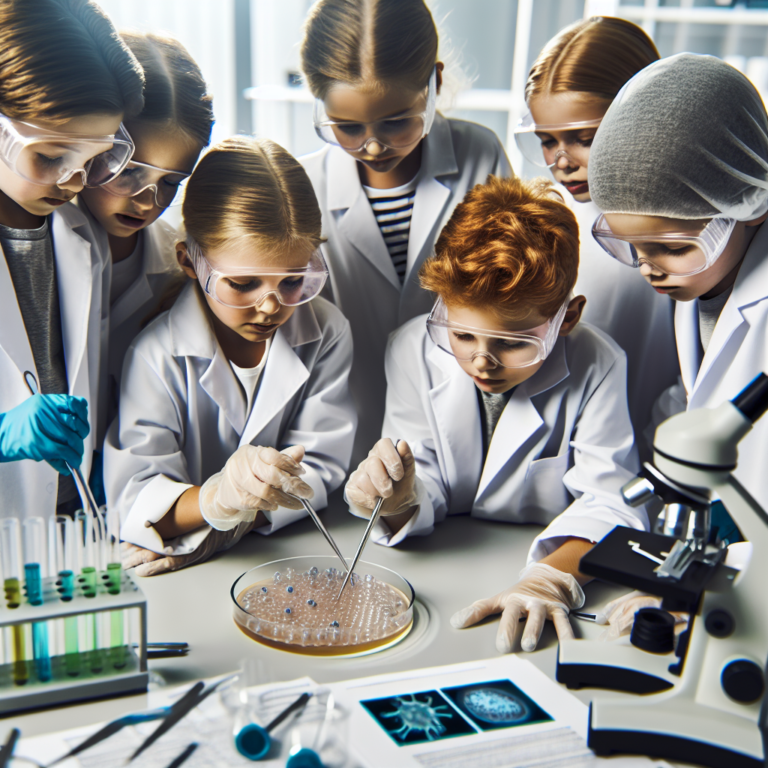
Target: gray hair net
[(685, 138)]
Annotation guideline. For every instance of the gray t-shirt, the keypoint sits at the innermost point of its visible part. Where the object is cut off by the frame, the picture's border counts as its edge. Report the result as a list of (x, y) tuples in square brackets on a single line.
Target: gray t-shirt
[(29, 254), (709, 313), (491, 408)]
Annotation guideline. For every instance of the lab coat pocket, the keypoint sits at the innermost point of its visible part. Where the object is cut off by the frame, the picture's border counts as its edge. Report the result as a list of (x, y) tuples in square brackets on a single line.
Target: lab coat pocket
[(544, 495)]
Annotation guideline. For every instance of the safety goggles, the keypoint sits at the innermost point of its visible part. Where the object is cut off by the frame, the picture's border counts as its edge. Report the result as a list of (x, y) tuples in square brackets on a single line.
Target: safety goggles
[(46, 157), (672, 253), (246, 287), (392, 133), (167, 186), (507, 349), (545, 150)]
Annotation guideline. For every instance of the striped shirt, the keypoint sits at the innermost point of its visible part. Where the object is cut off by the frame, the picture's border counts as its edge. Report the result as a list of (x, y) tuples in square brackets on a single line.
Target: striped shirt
[(393, 209)]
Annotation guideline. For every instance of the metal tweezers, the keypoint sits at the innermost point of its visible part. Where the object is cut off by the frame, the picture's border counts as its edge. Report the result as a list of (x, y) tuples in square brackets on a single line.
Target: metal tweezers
[(374, 518), (319, 523)]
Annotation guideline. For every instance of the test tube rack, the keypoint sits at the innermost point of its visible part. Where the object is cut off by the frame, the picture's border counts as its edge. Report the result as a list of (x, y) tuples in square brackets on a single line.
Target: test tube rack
[(75, 677)]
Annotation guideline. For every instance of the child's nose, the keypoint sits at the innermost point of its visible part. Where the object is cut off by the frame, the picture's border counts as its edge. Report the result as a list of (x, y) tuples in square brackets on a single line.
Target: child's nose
[(483, 363), (375, 149), (269, 305), (564, 161)]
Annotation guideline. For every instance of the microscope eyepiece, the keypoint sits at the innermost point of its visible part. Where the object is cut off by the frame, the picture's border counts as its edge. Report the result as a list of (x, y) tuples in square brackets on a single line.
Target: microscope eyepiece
[(752, 401)]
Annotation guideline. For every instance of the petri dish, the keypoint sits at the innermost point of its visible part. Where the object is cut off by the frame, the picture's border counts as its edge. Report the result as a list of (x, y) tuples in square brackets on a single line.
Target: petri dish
[(290, 604)]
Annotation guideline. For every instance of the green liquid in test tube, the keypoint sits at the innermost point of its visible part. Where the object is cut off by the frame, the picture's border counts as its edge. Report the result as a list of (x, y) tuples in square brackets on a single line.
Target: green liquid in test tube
[(118, 652), (35, 565), (10, 542), (64, 561), (86, 533)]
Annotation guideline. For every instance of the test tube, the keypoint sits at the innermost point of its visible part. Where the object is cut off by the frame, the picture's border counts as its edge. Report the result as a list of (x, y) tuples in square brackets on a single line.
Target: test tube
[(35, 570), (11, 546), (117, 654), (87, 532), (66, 565)]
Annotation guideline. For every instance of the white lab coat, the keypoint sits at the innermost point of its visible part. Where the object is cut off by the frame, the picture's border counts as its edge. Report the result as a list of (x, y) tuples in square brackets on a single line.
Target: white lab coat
[(363, 282), (563, 444), (737, 352), (621, 304), (81, 256), (183, 412)]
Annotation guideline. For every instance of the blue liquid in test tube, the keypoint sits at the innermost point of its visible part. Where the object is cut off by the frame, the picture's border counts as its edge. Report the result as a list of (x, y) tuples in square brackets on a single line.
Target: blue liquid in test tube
[(35, 565)]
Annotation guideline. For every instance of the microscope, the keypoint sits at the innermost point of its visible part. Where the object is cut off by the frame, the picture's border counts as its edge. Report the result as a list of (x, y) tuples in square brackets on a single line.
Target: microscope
[(702, 698)]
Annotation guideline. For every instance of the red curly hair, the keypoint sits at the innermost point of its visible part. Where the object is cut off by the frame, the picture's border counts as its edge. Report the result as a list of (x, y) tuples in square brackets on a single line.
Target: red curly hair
[(509, 246)]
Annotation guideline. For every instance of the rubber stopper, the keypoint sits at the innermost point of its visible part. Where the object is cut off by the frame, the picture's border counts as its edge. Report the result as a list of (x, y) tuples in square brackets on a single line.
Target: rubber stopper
[(304, 758), (653, 631), (253, 742)]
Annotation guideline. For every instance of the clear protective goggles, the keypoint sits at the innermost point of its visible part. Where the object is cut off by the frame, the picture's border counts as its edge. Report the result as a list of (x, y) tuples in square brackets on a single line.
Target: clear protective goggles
[(507, 349), (246, 287), (545, 151), (393, 133), (47, 157), (672, 253), (167, 186)]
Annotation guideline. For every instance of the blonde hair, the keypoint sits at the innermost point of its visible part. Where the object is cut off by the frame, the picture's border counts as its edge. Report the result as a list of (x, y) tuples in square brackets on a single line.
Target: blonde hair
[(251, 188), (175, 93), (596, 55), (61, 59), (368, 42)]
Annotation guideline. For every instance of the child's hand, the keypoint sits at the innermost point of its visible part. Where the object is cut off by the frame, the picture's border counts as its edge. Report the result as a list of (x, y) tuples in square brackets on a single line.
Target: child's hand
[(542, 593), (145, 562), (254, 478), (388, 472)]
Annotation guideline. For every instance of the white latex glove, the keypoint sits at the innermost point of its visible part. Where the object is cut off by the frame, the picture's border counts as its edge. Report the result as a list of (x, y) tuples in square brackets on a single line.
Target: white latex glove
[(619, 614), (542, 593), (254, 478), (145, 562), (388, 472)]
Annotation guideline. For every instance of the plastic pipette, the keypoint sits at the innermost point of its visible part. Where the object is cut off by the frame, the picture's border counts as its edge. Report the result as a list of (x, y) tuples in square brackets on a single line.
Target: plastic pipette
[(35, 570), (66, 565), (82, 487), (11, 545)]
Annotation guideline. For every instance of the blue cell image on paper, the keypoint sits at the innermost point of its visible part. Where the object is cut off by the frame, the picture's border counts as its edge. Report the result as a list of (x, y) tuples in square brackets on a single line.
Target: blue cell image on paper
[(414, 718), (496, 704)]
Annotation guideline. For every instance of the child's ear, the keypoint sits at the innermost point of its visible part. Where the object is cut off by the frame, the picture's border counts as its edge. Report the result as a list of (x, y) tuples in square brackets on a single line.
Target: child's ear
[(184, 261), (573, 314), (439, 76)]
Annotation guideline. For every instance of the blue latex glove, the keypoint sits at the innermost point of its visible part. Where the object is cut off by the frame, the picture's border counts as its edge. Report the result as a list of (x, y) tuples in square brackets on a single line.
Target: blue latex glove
[(45, 428)]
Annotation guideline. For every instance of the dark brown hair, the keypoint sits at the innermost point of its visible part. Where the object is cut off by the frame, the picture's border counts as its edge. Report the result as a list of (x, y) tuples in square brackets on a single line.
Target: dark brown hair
[(510, 246), (368, 42), (61, 59), (596, 55), (174, 91)]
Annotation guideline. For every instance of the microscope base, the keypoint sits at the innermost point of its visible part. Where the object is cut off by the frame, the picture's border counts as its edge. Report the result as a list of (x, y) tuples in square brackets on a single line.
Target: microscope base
[(673, 733), (619, 667)]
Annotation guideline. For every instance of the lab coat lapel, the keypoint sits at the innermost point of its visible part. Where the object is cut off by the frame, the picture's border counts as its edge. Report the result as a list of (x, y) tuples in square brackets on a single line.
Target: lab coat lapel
[(357, 222), (284, 374), (13, 335), (74, 273), (688, 342), (454, 404), (521, 422), (136, 296)]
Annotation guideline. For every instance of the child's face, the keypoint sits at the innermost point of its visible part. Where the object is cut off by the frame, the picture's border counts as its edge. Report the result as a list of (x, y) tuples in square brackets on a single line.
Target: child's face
[(484, 372), (568, 149), (39, 199), (156, 145), (361, 104), (708, 283)]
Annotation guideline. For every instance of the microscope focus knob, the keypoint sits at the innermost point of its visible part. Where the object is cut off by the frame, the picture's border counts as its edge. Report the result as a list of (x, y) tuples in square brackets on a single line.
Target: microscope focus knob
[(742, 680)]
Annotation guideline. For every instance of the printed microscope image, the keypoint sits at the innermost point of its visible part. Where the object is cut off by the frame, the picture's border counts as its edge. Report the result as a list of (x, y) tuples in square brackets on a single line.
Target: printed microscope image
[(300, 610), (417, 717)]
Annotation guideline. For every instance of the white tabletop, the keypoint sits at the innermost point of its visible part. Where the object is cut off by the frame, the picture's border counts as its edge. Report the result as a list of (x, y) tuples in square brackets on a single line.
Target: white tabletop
[(463, 560)]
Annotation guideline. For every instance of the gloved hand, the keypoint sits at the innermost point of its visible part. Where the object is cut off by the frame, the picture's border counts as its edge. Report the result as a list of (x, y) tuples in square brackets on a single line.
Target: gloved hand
[(45, 428), (254, 478), (145, 562), (389, 472), (619, 614), (542, 593)]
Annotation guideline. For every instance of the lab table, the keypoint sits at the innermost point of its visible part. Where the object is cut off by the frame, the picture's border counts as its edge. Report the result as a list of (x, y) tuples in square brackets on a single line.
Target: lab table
[(462, 560)]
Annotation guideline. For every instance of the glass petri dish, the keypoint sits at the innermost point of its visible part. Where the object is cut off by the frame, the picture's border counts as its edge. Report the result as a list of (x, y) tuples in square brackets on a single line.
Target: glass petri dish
[(290, 604)]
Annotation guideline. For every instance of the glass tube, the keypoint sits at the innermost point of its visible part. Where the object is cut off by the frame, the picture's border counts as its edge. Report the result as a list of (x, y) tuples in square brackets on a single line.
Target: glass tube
[(66, 553), (35, 570), (10, 546)]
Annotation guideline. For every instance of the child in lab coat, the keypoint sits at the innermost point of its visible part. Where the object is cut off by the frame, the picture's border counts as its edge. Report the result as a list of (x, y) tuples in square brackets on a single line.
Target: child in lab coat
[(235, 401), (570, 86), (391, 174), (688, 210), (169, 135), (507, 407), (60, 128)]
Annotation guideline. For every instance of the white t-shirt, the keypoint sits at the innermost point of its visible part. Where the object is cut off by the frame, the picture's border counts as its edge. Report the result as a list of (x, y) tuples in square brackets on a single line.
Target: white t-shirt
[(249, 377), (126, 271)]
